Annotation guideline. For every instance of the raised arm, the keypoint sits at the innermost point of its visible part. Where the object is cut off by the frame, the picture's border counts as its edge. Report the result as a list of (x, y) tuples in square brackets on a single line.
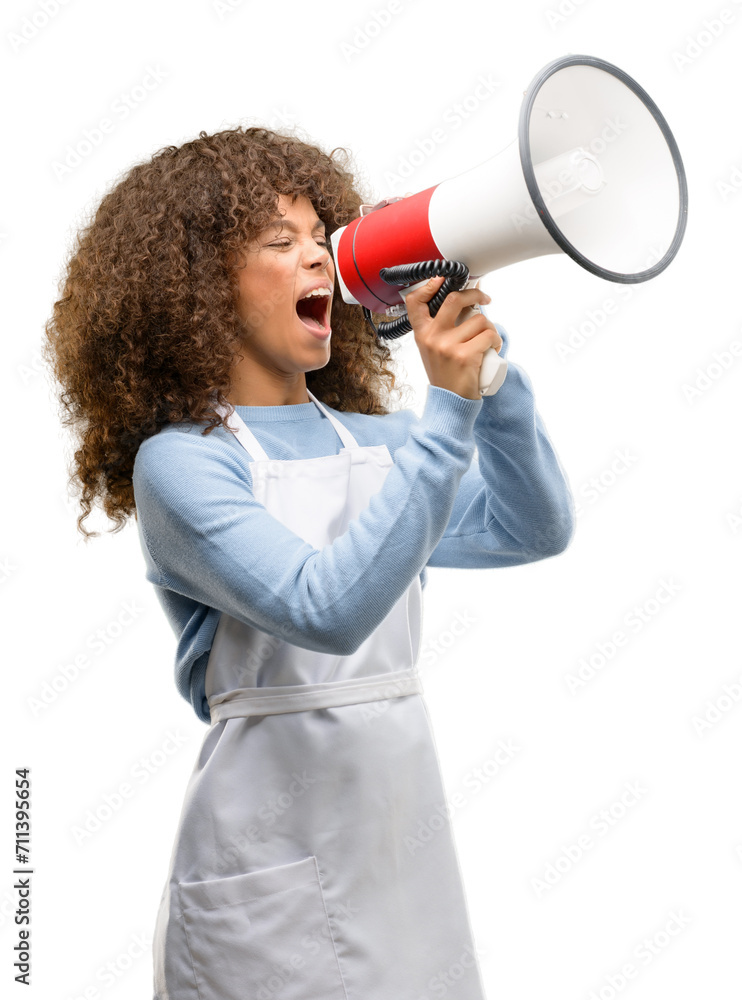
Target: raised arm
[(207, 538), (514, 504)]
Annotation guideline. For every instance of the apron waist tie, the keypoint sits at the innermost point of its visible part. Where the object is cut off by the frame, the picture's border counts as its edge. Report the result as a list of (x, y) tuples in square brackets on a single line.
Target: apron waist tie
[(303, 697)]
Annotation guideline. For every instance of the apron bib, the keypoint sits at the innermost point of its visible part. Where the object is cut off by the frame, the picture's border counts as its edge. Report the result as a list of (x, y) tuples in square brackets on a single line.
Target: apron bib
[(314, 858)]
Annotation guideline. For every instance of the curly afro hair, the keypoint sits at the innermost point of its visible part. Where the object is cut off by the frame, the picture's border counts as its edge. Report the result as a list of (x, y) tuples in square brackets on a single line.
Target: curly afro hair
[(146, 329)]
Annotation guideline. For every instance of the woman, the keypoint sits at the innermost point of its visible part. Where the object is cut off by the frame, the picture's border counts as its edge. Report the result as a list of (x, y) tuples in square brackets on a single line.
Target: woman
[(225, 395)]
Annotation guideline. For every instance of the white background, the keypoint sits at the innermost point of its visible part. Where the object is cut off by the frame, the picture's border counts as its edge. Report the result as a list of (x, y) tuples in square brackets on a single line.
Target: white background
[(671, 517)]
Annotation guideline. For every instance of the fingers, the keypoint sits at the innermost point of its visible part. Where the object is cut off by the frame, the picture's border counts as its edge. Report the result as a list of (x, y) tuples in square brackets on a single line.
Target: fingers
[(416, 301), (498, 341), (455, 302), (483, 341), (476, 327), (453, 343), (449, 319), (479, 330)]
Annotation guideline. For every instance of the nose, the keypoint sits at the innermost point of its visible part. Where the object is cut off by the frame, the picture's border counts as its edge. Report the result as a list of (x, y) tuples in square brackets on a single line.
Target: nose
[(316, 256)]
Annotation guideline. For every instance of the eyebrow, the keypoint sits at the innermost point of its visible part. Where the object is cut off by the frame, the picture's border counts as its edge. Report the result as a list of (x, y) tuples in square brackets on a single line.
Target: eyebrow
[(287, 224)]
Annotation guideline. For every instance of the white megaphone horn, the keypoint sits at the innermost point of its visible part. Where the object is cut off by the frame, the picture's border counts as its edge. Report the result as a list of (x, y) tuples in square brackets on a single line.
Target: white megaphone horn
[(595, 173)]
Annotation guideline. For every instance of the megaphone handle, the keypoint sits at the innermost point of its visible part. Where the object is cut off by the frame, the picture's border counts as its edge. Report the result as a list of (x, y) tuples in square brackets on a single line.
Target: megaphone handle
[(492, 373), (494, 368)]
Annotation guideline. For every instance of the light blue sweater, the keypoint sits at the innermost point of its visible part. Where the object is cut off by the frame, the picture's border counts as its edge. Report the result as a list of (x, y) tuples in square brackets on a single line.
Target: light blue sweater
[(209, 546)]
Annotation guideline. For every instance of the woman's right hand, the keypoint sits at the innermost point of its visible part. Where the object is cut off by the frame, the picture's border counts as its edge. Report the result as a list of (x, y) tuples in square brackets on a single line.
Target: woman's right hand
[(452, 355)]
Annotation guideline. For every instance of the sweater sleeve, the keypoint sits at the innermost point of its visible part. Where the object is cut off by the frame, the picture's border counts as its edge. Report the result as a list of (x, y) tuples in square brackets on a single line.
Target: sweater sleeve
[(514, 504), (208, 539)]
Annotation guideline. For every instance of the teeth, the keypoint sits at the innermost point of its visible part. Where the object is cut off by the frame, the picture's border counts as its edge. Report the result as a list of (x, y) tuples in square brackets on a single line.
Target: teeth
[(318, 293)]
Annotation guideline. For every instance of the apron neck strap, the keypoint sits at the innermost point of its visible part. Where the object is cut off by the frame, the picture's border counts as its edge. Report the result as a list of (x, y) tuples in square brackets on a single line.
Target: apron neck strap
[(250, 443), (342, 431)]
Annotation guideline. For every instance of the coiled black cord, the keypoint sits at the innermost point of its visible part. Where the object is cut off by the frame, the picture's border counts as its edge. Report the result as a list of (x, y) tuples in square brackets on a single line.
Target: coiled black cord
[(457, 275)]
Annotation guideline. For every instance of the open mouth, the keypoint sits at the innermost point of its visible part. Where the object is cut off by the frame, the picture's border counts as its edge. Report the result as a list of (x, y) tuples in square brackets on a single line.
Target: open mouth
[(314, 311)]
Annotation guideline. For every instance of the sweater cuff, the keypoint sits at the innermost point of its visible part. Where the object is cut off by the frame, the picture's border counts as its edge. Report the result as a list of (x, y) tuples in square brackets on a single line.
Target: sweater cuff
[(448, 413)]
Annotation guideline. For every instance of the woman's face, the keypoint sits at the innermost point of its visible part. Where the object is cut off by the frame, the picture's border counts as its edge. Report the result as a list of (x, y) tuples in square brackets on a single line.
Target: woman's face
[(283, 334)]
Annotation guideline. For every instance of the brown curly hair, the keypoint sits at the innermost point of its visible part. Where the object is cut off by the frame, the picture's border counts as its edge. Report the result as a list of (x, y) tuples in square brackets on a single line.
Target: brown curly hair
[(146, 329)]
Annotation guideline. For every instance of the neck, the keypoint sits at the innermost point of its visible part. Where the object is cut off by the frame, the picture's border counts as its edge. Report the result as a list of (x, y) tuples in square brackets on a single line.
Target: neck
[(251, 387)]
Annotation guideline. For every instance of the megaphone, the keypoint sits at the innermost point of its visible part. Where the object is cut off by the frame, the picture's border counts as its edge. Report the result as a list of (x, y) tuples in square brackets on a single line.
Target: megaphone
[(594, 173)]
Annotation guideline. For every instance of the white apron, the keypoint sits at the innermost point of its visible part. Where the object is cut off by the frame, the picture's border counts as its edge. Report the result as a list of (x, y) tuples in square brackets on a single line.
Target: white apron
[(314, 858)]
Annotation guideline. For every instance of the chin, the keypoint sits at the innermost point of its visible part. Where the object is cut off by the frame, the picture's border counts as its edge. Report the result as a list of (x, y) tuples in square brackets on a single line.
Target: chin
[(319, 365)]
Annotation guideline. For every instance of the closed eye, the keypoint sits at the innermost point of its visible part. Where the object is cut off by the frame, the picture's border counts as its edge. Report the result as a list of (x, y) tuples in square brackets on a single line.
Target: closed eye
[(287, 243)]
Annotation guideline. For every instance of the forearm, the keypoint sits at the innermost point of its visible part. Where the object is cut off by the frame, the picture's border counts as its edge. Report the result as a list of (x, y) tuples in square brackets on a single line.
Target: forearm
[(514, 503), (209, 539)]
